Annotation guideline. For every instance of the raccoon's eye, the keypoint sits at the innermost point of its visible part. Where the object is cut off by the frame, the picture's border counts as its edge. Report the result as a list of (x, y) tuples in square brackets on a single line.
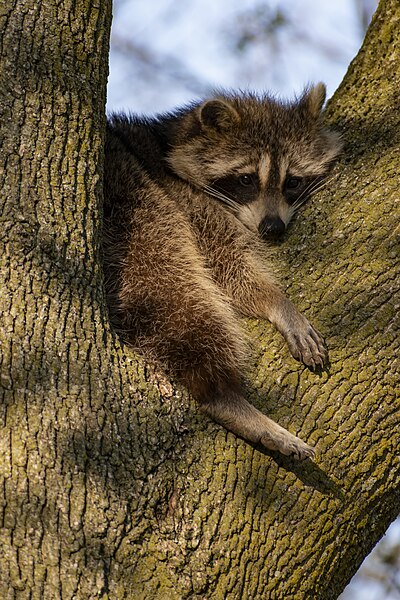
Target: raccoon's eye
[(293, 183), (245, 180)]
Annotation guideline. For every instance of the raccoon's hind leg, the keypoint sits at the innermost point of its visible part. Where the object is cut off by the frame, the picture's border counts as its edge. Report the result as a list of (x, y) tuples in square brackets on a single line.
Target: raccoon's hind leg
[(214, 380), (232, 410), (241, 417)]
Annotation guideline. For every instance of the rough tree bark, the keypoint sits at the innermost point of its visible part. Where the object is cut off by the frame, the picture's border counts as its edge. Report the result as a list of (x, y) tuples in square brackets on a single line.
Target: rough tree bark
[(112, 485)]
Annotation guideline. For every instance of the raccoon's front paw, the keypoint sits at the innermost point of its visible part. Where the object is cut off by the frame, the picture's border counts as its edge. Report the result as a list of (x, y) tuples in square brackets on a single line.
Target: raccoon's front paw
[(306, 343)]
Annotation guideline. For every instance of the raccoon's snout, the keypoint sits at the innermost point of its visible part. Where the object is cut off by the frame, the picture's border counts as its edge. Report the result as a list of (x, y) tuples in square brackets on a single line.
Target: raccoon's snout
[(271, 227)]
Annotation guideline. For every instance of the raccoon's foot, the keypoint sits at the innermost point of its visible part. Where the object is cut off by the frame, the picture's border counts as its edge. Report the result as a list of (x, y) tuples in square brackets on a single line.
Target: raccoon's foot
[(305, 343), (242, 418), (288, 444)]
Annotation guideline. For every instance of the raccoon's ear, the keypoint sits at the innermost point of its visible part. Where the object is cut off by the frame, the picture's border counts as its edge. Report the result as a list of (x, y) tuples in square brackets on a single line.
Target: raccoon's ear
[(218, 114), (313, 99)]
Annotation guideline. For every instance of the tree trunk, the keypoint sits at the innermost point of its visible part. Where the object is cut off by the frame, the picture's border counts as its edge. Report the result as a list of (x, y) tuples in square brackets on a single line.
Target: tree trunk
[(112, 484)]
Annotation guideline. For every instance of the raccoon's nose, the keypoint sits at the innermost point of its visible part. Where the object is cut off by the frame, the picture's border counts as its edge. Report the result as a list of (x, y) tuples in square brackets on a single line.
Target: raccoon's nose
[(274, 227)]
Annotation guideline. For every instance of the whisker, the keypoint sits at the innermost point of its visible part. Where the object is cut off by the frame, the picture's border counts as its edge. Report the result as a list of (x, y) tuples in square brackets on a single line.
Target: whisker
[(312, 188), (220, 196), (224, 199), (307, 191)]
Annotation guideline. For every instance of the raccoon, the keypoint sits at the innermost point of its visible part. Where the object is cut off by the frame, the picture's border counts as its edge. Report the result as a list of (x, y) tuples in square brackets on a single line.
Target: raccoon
[(190, 199)]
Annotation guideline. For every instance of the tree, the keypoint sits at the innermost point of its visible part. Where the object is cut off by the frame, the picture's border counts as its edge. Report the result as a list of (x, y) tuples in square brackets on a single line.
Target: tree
[(113, 485)]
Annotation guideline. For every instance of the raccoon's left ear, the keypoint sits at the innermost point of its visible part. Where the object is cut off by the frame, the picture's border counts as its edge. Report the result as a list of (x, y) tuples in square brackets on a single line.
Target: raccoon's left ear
[(313, 99), (218, 114)]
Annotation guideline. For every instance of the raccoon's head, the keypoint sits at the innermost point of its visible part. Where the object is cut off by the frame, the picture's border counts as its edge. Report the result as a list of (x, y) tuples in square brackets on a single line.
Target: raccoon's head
[(258, 156)]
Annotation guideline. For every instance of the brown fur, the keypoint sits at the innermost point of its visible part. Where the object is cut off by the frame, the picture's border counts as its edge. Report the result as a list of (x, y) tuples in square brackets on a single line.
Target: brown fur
[(183, 252)]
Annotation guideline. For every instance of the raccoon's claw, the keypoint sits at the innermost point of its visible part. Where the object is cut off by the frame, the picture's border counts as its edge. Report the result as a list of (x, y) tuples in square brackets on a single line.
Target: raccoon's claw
[(306, 344), (289, 445), (311, 348)]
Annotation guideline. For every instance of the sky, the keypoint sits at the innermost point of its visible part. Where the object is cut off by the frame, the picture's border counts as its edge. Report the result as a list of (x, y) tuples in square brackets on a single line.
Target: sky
[(197, 37), (187, 49)]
